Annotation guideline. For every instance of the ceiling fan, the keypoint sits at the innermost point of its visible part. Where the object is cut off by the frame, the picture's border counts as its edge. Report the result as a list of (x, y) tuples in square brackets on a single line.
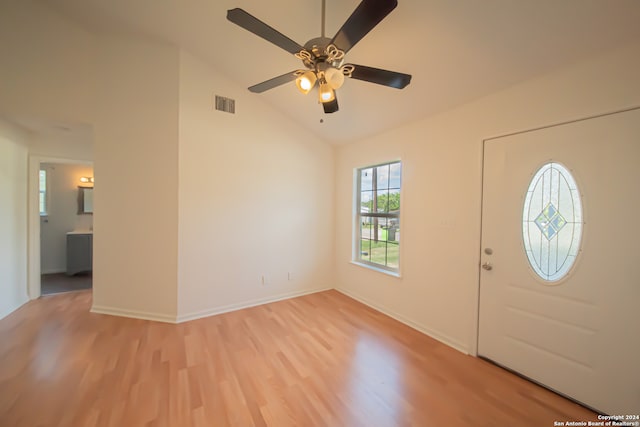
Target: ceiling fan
[(323, 57)]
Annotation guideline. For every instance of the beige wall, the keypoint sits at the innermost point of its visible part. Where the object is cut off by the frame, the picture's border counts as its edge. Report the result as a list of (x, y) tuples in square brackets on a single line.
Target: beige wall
[(442, 172), (256, 198), (13, 218), (77, 146), (135, 250), (47, 64)]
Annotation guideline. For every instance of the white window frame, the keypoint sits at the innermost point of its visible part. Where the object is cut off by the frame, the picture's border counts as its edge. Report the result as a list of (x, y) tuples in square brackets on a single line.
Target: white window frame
[(357, 237), (46, 200)]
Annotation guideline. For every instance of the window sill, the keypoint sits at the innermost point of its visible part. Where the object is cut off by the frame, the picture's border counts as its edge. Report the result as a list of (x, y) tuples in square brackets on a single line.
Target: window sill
[(395, 274)]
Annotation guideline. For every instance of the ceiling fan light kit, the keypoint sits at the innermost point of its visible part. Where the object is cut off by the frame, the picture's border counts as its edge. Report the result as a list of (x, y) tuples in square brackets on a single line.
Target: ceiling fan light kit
[(325, 92), (334, 77), (322, 57), (306, 81)]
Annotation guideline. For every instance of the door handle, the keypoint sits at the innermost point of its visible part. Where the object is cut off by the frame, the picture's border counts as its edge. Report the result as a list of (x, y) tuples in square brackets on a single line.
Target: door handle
[(487, 266)]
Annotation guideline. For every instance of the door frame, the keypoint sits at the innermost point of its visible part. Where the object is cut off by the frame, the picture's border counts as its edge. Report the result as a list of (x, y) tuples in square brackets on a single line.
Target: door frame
[(33, 205), (476, 336)]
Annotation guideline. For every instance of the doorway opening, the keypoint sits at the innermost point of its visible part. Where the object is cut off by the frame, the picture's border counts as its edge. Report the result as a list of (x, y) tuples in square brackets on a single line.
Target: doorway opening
[(66, 226)]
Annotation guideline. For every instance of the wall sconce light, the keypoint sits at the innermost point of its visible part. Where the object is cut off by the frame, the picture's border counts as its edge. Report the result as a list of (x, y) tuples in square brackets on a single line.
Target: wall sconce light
[(86, 179)]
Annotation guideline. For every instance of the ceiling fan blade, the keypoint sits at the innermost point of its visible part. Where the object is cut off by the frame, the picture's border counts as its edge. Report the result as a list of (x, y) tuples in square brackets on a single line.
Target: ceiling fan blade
[(366, 16), (381, 77), (330, 107), (274, 82), (259, 28)]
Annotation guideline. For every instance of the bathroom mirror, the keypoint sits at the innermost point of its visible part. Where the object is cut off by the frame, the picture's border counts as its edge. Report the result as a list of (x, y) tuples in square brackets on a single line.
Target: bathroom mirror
[(85, 200)]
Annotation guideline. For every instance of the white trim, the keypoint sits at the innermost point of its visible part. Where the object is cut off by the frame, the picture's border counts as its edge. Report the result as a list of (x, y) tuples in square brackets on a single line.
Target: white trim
[(53, 271), (33, 206), (443, 338), (160, 317), (23, 300), (114, 311), (564, 122), (374, 267), (239, 306)]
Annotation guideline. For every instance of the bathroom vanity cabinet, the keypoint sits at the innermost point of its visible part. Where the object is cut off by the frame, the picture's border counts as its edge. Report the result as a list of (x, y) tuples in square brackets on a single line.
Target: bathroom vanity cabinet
[(79, 252)]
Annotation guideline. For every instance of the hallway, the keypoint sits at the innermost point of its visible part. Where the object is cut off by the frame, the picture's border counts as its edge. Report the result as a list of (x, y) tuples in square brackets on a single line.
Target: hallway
[(59, 282)]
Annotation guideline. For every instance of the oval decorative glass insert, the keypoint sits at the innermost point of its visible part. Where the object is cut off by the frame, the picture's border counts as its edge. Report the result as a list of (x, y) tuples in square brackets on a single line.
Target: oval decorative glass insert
[(552, 222)]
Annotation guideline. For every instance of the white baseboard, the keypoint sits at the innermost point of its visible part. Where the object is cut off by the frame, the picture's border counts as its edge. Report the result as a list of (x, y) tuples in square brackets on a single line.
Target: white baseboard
[(159, 317), (443, 338), (112, 311), (54, 271), (239, 306), (8, 310)]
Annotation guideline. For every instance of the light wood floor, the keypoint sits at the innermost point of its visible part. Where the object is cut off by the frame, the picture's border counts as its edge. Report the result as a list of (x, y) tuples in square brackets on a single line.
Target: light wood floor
[(318, 360)]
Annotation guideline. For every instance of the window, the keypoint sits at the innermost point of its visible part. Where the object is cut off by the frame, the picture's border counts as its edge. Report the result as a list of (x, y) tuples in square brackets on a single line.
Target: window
[(378, 216), (552, 222), (43, 193)]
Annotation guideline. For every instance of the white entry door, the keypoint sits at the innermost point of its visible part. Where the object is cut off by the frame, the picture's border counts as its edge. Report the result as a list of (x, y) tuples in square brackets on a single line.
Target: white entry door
[(580, 334)]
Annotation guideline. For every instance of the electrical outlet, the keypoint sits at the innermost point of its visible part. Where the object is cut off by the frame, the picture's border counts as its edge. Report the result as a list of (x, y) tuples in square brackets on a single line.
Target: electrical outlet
[(264, 280), (289, 276)]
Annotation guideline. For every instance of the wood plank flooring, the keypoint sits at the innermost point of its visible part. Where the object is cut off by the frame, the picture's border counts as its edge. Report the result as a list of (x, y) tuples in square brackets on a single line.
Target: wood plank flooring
[(318, 360)]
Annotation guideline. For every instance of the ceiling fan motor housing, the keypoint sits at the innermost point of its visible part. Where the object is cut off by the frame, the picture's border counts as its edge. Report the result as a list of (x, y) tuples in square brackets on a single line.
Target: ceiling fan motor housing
[(319, 54)]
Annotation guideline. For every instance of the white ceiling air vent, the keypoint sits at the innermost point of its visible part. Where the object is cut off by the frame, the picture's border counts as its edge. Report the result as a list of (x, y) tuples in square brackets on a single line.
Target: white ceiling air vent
[(225, 104)]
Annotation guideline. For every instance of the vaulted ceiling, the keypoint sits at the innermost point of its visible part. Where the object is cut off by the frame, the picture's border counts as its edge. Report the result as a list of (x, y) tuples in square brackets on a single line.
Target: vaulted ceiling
[(456, 50)]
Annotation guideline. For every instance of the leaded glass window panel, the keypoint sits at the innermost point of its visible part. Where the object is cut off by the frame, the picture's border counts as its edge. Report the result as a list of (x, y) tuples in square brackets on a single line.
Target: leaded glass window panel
[(552, 222)]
